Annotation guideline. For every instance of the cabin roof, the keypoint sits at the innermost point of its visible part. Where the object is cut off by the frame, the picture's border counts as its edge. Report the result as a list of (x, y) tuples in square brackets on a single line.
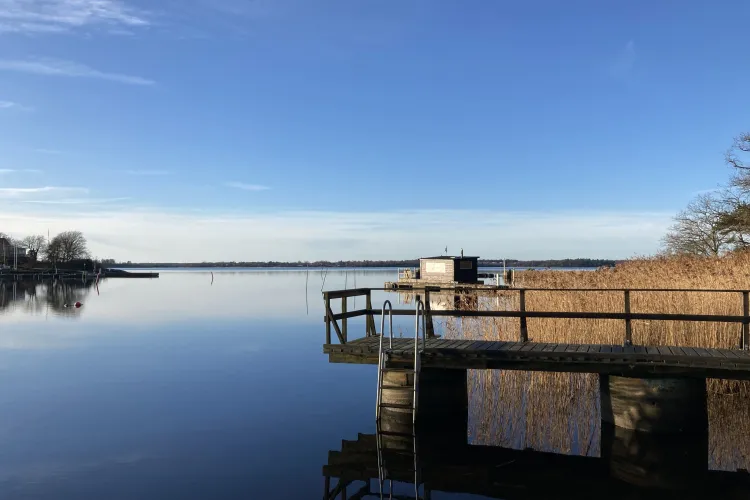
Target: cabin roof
[(448, 257)]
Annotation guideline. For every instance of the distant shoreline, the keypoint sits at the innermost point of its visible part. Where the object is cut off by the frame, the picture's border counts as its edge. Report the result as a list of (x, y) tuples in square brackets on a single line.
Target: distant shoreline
[(562, 263)]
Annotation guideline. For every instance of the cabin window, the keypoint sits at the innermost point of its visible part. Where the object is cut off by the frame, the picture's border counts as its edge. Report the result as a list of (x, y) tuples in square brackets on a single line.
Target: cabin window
[(467, 264)]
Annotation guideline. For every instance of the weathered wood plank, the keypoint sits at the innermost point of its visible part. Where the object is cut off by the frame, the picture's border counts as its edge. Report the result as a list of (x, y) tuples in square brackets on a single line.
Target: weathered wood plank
[(664, 351), (489, 345), (729, 353), (689, 351), (452, 345), (478, 345), (465, 344)]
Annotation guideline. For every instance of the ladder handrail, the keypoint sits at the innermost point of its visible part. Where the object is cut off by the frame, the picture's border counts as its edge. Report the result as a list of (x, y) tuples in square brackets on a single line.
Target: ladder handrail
[(417, 367), (380, 351), (420, 305)]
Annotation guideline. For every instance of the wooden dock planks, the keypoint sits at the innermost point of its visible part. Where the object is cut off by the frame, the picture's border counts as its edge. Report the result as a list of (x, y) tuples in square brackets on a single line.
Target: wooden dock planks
[(540, 356)]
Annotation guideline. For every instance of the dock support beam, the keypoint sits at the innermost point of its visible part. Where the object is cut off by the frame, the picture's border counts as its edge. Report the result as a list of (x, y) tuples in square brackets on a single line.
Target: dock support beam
[(676, 462), (443, 405), (659, 405), (655, 430)]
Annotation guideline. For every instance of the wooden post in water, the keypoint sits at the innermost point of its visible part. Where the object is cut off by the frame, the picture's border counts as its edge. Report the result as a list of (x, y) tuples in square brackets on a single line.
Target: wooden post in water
[(430, 330), (328, 318), (344, 300), (670, 462), (370, 321), (658, 405)]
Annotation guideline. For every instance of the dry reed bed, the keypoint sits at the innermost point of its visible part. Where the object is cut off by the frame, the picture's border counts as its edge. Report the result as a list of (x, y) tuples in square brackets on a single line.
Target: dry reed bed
[(560, 412)]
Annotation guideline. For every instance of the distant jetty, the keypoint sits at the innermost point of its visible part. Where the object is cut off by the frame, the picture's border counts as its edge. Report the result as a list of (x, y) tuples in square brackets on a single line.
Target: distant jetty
[(68, 274)]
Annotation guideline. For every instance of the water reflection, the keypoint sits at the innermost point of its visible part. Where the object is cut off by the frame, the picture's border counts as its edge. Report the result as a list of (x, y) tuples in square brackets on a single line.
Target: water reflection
[(43, 297), (632, 465)]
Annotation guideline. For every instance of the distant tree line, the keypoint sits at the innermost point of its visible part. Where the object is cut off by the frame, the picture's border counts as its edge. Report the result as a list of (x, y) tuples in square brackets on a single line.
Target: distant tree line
[(718, 221), (367, 263)]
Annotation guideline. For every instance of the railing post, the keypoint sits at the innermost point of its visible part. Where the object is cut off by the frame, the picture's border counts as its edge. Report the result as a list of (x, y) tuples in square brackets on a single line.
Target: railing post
[(328, 318), (524, 330), (429, 328), (344, 300), (628, 323), (370, 323), (745, 344)]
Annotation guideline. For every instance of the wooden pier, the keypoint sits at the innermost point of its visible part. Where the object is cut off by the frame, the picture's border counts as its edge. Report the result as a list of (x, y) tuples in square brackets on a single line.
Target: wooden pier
[(625, 359), (653, 405), (663, 386)]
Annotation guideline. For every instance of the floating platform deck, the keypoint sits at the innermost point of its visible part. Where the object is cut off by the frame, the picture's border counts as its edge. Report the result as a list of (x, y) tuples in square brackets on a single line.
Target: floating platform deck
[(419, 284), (634, 361)]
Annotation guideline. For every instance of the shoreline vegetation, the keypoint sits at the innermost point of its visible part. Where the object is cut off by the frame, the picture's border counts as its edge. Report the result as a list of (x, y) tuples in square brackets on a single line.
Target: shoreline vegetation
[(551, 401), (553, 263)]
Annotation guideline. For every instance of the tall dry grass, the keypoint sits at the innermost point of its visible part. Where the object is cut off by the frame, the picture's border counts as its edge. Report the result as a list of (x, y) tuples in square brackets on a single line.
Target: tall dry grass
[(560, 412)]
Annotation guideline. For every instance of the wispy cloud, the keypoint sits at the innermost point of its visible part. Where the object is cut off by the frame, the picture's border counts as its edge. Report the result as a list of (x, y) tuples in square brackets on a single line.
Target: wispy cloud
[(78, 201), (61, 16), (20, 193), (49, 151), (247, 187), (54, 67), (6, 171), (623, 65), (147, 173), (13, 105)]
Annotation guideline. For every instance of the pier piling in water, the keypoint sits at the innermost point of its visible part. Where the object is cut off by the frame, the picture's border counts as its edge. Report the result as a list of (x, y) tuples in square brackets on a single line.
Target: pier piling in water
[(658, 405)]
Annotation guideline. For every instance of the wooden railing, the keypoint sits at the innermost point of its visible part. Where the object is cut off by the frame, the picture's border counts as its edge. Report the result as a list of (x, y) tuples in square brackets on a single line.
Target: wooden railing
[(331, 319)]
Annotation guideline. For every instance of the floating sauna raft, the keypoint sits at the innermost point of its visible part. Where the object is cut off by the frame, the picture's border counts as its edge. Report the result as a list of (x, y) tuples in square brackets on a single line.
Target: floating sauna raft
[(449, 273)]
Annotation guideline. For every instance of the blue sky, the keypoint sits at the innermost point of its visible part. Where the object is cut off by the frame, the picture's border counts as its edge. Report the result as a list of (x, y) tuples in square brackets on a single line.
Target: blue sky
[(291, 129)]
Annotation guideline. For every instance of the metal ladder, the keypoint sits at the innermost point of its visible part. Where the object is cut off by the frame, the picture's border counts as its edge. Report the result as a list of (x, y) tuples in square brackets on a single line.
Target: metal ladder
[(383, 472), (384, 353), (383, 356)]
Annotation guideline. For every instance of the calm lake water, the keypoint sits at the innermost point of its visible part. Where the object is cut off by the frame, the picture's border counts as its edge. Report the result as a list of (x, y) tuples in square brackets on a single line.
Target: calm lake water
[(181, 388)]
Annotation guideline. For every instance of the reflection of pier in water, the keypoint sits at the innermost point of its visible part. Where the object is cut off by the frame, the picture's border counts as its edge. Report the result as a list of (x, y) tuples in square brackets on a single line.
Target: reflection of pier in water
[(632, 465), (40, 296)]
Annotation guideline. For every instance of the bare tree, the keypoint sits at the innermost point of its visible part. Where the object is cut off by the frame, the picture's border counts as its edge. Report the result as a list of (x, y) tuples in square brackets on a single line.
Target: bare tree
[(67, 246), (700, 229), (35, 244), (740, 146)]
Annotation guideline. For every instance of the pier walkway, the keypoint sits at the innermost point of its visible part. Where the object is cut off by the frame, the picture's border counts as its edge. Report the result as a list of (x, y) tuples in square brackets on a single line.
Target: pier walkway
[(626, 359)]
